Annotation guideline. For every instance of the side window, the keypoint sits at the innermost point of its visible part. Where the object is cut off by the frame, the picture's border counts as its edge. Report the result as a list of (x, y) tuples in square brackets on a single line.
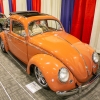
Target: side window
[(54, 25), (18, 28), (35, 28), (7, 23)]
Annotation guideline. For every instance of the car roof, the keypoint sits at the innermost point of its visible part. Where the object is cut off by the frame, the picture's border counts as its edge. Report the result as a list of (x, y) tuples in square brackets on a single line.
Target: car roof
[(28, 16), (27, 13)]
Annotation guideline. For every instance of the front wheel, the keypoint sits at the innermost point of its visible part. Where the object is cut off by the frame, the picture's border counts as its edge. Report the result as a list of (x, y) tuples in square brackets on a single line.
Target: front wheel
[(40, 78), (3, 46)]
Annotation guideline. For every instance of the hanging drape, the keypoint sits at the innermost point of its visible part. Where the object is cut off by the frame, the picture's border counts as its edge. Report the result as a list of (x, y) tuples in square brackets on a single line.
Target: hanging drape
[(95, 35), (52, 7), (36, 5), (21, 5), (83, 19), (12, 5), (66, 14), (1, 6), (29, 4), (6, 7)]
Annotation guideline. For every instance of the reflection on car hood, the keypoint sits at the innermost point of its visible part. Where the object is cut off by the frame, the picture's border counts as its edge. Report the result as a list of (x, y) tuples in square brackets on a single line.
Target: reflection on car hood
[(69, 50)]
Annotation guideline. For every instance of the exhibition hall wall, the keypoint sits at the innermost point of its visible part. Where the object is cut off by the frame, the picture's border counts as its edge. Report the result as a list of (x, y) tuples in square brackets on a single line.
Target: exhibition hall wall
[(79, 17)]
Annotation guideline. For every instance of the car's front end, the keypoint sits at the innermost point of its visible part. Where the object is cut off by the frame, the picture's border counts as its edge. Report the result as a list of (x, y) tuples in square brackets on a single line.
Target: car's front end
[(93, 79), (80, 88), (91, 65)]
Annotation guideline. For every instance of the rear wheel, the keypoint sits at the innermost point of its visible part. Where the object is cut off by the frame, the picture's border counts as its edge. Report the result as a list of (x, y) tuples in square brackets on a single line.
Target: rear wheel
[(40, 78), (3, 46)]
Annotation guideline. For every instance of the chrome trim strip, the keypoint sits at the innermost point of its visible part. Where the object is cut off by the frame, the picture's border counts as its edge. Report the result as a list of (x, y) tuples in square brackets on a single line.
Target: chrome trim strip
[(32, 45), (17, 38)]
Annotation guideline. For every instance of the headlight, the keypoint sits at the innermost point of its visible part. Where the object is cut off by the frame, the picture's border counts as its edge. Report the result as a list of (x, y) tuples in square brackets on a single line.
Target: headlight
[(63, 75), (95, 57)]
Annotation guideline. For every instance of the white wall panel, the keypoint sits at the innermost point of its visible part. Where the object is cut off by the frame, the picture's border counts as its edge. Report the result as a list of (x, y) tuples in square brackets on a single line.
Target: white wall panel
[(52, 7), (21, 5), (6, 7), (95, 35)]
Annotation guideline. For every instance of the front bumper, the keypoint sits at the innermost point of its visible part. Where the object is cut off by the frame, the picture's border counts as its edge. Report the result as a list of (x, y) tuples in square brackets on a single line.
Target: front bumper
[(80, 88)]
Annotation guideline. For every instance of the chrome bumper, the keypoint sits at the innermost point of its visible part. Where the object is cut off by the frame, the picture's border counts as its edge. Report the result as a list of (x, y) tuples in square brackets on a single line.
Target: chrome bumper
[(80, 88)]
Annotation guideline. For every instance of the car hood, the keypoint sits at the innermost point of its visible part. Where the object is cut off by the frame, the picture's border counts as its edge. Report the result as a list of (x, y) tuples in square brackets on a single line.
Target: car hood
[(69, 50)]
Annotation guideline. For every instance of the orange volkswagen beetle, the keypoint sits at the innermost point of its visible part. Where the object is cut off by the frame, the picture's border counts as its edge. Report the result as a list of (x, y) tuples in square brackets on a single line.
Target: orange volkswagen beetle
[(59, 60)]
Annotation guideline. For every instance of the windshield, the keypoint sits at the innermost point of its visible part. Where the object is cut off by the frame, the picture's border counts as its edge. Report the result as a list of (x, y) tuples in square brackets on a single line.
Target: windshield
[(42, 26)]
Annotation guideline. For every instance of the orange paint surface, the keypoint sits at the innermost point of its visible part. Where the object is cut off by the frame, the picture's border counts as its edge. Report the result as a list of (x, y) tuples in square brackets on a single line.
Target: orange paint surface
[(51, 51)]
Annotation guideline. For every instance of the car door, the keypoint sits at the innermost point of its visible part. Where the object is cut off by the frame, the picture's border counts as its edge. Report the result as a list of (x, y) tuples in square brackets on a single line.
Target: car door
[(17, 41), (8, 30)]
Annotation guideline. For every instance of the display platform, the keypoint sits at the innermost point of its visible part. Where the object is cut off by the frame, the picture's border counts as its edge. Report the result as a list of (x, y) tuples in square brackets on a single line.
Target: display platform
[(15, 84)]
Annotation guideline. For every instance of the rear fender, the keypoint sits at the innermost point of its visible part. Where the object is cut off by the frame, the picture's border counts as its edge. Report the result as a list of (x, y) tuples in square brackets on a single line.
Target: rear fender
[(50, 67), (3, 37)]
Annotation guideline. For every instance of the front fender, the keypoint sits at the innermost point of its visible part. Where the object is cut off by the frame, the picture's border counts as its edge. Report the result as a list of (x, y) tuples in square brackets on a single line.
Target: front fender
[(50, 67), (95, 66)]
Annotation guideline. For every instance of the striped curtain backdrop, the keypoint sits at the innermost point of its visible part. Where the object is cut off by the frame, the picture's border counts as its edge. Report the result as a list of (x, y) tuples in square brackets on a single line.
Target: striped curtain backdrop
[(82, 20), (79, 17), (66, 14), (1, 6)]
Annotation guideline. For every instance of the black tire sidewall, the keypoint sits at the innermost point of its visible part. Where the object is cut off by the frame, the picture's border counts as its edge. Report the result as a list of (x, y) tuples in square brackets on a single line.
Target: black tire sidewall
[(3, 50), (46, 87)]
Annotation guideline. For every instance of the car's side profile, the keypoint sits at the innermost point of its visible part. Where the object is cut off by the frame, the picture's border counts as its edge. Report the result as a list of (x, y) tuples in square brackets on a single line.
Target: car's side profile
[(59, 60)]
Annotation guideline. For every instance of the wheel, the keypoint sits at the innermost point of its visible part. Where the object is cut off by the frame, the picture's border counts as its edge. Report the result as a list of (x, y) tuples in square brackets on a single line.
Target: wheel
[(40, 78), (3, 46)]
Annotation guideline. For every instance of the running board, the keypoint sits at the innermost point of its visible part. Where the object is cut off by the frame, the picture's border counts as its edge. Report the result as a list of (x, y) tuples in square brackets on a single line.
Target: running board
[(12, 56)]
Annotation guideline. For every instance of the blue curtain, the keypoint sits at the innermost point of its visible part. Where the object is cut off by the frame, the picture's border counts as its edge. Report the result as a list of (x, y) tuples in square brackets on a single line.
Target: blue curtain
[(10, 5), (29, 4), (66, 14)]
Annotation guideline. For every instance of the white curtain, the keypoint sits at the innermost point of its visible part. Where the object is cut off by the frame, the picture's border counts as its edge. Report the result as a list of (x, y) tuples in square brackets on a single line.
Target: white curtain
[(21, 5), (95, 35), (6, 7), (52, 7)]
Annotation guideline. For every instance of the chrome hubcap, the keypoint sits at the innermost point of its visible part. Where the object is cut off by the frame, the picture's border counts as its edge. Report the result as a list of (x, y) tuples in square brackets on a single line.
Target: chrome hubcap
[(40, 77)]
